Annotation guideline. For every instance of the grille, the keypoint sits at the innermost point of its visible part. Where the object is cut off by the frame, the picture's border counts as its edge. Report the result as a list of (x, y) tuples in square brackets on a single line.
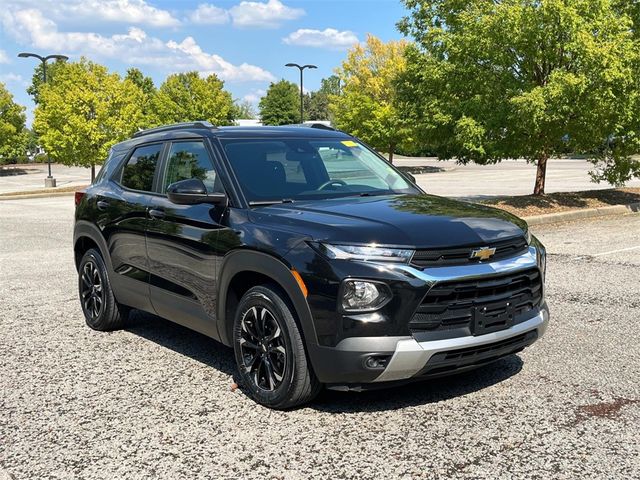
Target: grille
[(450, 305), (462, 255)]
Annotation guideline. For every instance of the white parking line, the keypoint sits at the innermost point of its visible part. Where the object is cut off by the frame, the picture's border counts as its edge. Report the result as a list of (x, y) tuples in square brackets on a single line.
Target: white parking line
[(616, 251)]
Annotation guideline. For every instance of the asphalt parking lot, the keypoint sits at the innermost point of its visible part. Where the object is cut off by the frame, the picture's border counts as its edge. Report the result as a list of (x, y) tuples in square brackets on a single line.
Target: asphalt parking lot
[(154, 400)]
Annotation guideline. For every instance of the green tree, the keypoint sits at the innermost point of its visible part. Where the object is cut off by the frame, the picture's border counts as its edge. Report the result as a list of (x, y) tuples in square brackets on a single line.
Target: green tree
[(13, 135), (281, 104), (37, 78), (185, 97), (84, 112), (317, 103), (368, 105), (244, 109), (490, 80), (146, 85)]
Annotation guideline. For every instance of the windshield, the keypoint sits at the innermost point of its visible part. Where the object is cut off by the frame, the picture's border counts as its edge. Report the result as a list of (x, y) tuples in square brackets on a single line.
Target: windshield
[(271, 171)]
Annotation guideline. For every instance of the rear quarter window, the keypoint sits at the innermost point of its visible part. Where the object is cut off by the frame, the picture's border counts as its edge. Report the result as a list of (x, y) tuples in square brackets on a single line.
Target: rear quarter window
[(140, 169)]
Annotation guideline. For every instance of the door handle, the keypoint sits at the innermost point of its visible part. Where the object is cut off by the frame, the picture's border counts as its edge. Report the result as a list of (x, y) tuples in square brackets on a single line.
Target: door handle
[(102, 205), (156, 214)]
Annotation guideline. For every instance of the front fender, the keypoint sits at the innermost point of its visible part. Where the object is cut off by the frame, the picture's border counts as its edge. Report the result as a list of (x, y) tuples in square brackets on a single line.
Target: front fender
[(253, 261)]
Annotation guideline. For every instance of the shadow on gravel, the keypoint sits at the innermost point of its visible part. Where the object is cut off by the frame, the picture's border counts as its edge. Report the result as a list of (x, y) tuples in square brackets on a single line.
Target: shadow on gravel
[(13, 171), (182, 340), (216, 355), (419, 170), (418, 393)]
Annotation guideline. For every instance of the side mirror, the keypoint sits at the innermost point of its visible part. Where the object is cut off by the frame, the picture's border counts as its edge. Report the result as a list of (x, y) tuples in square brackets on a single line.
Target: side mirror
[(191, 192), (409, 176)]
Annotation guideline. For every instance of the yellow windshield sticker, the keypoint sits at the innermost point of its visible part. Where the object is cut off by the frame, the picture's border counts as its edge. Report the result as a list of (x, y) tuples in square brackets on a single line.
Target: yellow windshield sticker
[(350, 143)]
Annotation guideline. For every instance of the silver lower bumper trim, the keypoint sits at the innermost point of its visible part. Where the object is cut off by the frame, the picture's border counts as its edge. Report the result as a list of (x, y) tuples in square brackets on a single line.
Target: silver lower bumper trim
[(411, 356)]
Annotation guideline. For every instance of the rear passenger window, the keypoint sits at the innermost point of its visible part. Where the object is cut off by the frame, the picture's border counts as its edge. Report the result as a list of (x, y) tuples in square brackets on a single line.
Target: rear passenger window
[(191, 160), (140, 168)]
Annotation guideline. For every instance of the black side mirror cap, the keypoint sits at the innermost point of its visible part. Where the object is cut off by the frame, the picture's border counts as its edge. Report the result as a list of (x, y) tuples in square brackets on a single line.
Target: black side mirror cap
[(192, 191), (409, 176)]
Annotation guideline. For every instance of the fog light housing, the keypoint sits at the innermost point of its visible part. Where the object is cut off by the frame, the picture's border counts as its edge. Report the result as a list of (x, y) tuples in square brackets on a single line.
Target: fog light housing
[(377, 362), (364, 295)]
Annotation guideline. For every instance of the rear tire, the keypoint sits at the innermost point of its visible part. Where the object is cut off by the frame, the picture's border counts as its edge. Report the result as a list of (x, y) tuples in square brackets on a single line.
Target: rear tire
[(269, 350), (101, 310)]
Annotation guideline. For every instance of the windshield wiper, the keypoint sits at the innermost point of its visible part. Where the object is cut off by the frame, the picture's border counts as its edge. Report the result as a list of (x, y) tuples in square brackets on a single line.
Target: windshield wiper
[(370, 194), (259, 203)]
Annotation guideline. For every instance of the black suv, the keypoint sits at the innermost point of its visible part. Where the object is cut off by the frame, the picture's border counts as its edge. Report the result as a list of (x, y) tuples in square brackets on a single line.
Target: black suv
[(318, 261)]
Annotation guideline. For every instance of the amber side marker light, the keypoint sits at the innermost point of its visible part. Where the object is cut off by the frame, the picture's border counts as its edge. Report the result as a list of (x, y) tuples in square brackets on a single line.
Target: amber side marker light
[(78, 197), (301, 284)]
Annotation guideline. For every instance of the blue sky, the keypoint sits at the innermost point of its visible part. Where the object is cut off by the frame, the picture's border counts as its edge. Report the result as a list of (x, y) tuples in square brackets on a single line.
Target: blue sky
[(246, 43)]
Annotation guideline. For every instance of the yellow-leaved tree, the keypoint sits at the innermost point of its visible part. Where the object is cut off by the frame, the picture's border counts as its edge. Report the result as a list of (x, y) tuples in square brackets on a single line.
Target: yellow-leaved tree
[(86, 111), (368, 105)]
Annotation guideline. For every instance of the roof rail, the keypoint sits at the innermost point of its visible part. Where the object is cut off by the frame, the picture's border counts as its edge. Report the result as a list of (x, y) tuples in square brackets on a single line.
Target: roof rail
[(318, 125), (176, 126), (322, 126)]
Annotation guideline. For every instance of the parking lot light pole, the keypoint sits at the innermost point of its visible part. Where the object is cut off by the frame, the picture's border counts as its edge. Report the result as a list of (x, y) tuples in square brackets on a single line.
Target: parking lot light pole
[(301, 68), (49, 181)]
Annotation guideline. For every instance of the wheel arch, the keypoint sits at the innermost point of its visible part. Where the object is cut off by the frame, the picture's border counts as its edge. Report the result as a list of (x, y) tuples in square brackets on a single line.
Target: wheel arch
[(86, 236), (248, 268)]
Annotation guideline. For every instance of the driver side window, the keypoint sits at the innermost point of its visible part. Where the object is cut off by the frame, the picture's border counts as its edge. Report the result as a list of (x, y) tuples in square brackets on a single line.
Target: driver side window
[(191, 160)]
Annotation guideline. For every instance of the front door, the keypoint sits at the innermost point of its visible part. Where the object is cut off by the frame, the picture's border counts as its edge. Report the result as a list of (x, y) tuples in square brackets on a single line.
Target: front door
[(181, 242)]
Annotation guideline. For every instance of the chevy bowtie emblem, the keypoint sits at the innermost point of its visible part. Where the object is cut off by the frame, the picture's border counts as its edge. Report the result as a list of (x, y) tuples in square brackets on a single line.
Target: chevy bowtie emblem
[(484, 253)]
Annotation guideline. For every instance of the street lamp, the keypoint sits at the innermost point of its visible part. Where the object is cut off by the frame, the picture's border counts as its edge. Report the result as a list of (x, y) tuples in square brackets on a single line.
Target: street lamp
[(49, 181), (301, 68)]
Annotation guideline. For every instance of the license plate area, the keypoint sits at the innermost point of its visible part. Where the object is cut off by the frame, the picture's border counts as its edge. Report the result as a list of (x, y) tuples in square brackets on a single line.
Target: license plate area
[(492, 317)]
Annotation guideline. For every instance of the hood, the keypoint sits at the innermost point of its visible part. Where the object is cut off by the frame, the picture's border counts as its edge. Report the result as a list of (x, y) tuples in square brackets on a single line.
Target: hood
[(417, 221)]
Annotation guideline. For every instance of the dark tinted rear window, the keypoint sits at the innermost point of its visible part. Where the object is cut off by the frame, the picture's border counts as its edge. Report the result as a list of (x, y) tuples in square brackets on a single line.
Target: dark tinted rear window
[(138, 173)]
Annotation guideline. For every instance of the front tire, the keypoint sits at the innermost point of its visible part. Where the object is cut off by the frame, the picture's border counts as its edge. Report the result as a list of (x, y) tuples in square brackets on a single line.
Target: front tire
[(269, 350), (101, 310)]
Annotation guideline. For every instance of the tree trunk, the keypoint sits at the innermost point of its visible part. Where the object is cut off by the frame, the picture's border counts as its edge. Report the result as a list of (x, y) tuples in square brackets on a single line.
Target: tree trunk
[(93, 172), (391, 149), (541, 174)]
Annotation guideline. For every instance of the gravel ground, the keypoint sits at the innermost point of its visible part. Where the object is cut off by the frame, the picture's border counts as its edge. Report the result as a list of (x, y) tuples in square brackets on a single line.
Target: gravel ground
[(154, 400)]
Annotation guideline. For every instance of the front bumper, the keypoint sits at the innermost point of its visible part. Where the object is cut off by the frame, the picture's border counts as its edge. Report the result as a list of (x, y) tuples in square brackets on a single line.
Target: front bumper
[(411, 358), (343, 367)]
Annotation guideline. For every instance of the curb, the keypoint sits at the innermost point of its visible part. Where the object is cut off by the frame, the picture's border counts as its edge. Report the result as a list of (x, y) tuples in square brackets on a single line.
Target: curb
[(582, 214), (35, 195)]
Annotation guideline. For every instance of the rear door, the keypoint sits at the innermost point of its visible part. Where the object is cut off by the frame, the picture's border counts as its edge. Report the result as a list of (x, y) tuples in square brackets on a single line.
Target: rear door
[(123, 221), (182, 241)]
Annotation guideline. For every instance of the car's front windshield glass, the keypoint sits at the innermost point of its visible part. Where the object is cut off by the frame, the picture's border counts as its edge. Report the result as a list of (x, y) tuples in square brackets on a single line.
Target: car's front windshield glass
[(303, 169)]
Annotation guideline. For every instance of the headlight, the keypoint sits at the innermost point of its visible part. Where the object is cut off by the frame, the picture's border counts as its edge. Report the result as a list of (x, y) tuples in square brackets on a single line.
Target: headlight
[(541, 254), (368, 253), (527, 235), (364, 296)]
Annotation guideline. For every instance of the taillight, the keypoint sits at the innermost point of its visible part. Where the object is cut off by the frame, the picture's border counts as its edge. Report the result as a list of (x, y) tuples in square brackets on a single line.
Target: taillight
[(78, 197)]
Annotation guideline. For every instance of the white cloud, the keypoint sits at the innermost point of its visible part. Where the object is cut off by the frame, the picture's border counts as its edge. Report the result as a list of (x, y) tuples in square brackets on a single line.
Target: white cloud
[(210, 63), (266, 15), (4, 58), (328, 38), (122, 11), (13, 78), (127, 11), (254, 96), (207, 14), (134, 47)]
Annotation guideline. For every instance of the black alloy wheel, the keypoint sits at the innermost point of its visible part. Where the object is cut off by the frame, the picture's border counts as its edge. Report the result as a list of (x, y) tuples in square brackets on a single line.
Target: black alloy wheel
[(263, 348), (91, 290), (101, 309), (273, 367)]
